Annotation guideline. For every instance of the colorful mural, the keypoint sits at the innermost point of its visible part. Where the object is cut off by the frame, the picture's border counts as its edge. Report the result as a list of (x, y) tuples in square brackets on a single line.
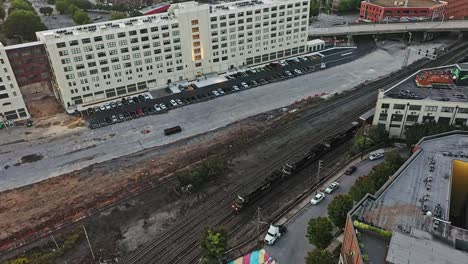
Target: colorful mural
[(255, 257)]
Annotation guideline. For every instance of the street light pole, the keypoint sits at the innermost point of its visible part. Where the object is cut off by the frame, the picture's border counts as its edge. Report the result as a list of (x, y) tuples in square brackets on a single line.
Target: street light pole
[(320, 163)]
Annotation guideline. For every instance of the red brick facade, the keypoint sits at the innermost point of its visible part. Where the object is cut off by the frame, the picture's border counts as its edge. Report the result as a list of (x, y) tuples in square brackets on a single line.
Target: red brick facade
[(376, 13), (457, 9), (350, 252), (30, 63)]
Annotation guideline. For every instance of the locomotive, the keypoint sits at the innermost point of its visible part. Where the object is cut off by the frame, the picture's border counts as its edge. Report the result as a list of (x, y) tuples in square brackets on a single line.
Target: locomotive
[(296, 164)]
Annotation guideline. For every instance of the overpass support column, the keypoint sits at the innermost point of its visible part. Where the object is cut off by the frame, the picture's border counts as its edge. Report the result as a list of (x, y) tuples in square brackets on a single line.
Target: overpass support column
[(460, 35), (350, 40), (428, 36)]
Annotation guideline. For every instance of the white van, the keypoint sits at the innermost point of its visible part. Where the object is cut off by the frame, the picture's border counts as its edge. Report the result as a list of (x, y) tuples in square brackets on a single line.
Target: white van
[(378, 154)]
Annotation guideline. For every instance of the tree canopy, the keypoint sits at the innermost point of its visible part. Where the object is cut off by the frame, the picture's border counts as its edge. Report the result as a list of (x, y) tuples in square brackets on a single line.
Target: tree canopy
[(319, 232), (339, 208), (20, 5), (314, 8), (46, 10), (117, 15), (80, 17), (23, 23), (213, 242), (319, 256)]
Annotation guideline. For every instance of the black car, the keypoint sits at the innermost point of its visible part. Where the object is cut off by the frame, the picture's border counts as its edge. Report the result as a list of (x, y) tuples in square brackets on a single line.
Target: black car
[(135, 99), (108, 120), (350, 170), (127, 115), (141, 98)]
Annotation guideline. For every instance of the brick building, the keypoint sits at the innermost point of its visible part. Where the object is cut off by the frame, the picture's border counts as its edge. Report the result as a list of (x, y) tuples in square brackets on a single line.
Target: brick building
[(457, 9), (402, 10), (29, 62)]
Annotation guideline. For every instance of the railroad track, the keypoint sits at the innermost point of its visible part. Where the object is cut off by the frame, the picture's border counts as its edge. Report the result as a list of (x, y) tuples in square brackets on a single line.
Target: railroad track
[(444, 59), (184, 234)]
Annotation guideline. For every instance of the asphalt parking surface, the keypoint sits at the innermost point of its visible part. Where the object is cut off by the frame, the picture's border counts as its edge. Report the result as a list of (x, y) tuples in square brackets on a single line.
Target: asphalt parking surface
[(263, 75)]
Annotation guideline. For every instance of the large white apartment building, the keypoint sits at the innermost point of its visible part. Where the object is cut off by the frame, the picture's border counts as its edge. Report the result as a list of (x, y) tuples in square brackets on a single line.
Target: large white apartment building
[(12, 105), (104, 61), (439, 97)]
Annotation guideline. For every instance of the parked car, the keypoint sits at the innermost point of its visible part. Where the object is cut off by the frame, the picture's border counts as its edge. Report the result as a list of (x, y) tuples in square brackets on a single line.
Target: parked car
[(173, 102), (121, 117), (139, 112), (350, 170), (97, 109), (103, 108), (333, 186), (378, 154), (317, 198), (114, 119), (113, 105), (215, 93), (141, 98), (243, 84), (220, 91), (146, 96), (179, 102), (130, 100), (297, 71), (163, 106), (253, 82), (119, 104), (127, 115), (157, 107), (235, 87), (107, 106), (288, 73)]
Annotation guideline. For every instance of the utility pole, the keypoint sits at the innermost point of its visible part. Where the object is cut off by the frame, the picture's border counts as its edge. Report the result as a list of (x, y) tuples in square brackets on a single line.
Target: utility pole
[(89, 244), (55, 241), (320, 163)]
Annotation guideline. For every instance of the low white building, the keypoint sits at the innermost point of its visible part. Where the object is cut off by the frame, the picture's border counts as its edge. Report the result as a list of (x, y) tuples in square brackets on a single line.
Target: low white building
[(435, 99), (104, 61), (12, 106)]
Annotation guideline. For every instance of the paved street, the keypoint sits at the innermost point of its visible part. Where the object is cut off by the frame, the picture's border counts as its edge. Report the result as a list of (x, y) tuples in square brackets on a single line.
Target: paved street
[(293, 247), (75, 149)]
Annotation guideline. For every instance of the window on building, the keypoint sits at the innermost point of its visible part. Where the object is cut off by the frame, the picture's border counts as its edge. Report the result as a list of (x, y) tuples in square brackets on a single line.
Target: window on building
[(431, 108)]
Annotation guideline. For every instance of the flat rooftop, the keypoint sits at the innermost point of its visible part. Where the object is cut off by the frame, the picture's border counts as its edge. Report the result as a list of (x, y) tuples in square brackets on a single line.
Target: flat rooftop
[(401, 3), (407, 89), (401, 204), (229, 5)]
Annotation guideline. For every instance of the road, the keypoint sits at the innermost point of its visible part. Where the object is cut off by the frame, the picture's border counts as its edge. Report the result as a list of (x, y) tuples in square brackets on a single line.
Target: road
[(293, 247), (75, 149), (364, 29)]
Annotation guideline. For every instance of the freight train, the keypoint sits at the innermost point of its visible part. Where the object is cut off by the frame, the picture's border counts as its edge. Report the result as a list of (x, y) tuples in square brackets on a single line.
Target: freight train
[(299, 162)]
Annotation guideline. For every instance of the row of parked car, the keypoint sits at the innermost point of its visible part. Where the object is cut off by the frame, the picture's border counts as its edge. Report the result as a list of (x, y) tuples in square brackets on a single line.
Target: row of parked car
[(149, 109)]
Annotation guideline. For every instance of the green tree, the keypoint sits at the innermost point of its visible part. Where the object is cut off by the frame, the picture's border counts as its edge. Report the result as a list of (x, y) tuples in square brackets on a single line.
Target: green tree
[(349, 5), (20, 5), (72, 9), (117, 15), (394, 160), (80, 17), (46, 10), (213, 242), (319, 232), (363, 185), (417, 131), (62, 6), (23, 23), (135, 13), (51, 2), (339, 208), (82, 4), (319, 256), (314, 8)]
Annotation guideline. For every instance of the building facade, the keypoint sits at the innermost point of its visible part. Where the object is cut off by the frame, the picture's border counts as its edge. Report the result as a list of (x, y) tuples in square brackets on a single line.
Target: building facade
[(104, 61), (29, 62), (12, 106), (407, 104), (457, 9), (402, 10)]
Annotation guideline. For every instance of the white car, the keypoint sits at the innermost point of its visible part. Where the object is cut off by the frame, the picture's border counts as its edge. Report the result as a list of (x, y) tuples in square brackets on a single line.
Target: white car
[(375, 156), (215, 93), (235, 87), (157, 107), (244, 85), (220, 91), (163, 106), (317, 198), (173, 102), (102, 108), (146, 96), (179, 102), (288, 73), (332, 187), (297, 71), (283, 63), (107, 106)]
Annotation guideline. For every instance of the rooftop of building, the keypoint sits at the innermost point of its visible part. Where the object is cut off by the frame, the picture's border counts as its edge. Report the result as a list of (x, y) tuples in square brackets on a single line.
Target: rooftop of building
[(407, 3), (218, 6), (153, 7), (403, 203), (408, 88)]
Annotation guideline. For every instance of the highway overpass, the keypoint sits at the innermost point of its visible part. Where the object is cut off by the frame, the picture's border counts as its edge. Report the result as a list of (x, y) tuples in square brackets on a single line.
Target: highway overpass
[(366, 29)]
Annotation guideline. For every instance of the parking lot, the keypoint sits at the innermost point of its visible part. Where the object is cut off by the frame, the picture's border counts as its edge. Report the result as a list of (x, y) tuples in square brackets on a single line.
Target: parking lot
[(141, 105)]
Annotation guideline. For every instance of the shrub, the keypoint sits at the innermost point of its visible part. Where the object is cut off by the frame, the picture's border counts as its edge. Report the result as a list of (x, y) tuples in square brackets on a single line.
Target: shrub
[(378, 231)]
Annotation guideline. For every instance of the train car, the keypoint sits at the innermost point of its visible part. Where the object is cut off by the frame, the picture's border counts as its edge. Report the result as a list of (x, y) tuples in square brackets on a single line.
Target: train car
[(172, 130), (292, 167)]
